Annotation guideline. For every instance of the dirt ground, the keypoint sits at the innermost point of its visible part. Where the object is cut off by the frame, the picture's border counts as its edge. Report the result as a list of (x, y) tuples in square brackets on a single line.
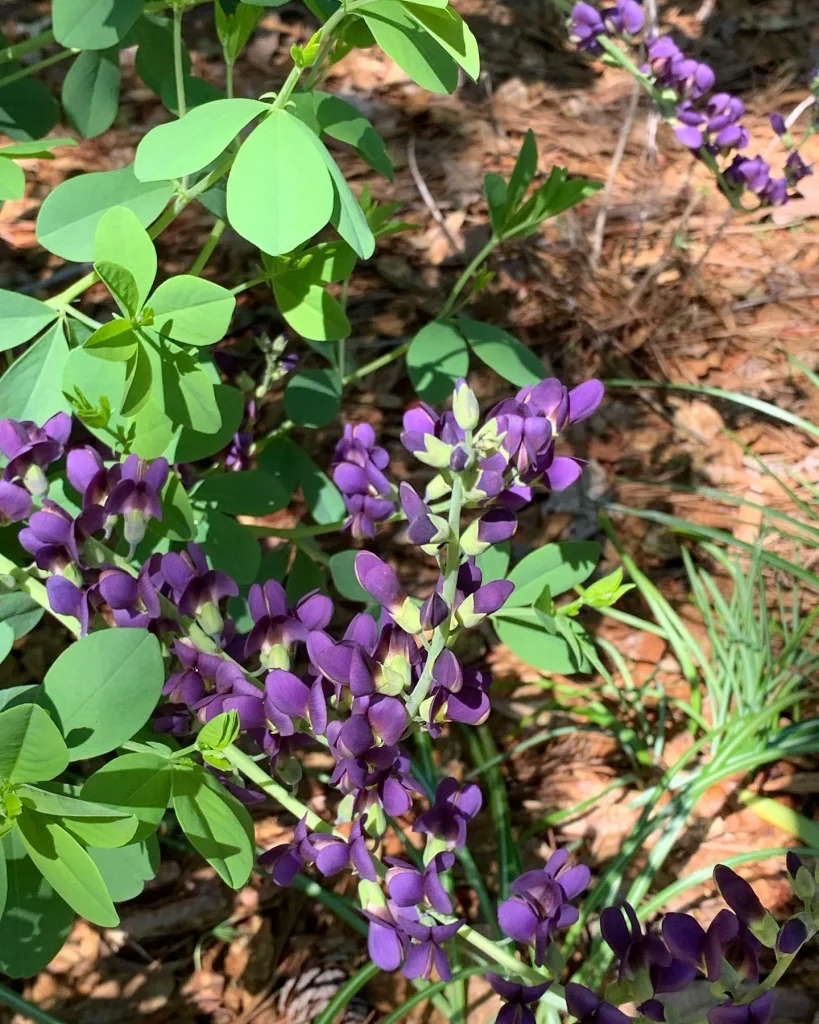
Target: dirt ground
[(678, 293)]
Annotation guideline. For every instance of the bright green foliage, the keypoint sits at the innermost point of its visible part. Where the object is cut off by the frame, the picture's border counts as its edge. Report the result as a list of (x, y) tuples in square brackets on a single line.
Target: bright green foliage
[(215, 736), (21, 317), (217, 825), (68, 219), (249, 493), (12, 179), (154, 59), (342, 569), (104, 687), (192, 310), (6, 640), (502, 352), (313, 398), (138, 784), (91, 91), (342, 121), (20, 612), (437, 357), (187, 145), (230, 546), (31, 747), (31, 389), (93, 24), (310, 310), (121, 239), (556, 566), (279, 192), (126, 869), (416, 52)]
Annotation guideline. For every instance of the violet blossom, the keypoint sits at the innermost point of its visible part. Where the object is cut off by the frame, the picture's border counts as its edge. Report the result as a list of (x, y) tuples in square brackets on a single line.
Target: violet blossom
[(31, 449), (358, 472), (136, 495), (518, 999), (452, 810)]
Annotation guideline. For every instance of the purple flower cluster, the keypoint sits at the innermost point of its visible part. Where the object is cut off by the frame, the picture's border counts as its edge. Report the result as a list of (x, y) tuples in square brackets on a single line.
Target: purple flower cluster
[(358, 472), (709, 123), (30, 450)]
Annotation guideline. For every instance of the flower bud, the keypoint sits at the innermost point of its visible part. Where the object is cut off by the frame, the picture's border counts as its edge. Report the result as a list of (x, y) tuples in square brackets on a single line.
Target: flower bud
[(792, 936), (434, 611), (485, 601), (428, 529), (436, 453), (495, 527), (210, 619), (465, 406), (35, 481)]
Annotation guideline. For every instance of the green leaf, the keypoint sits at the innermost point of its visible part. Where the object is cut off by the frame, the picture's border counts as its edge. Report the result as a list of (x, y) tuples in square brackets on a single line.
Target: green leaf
[(154, 60), (305, 575), (4, 882), (6, 640), (329, 262), (502, 352), (27, 108), (494, 562), (12, 180), (57, 800), (178, 520), (68, 218), (21, 317), (413, 49), (192, 310), (436, 358), (250, 493), (344, 122), (91, 91), (115, 342), (126, 870), (309, 309), (277, 459), (121, 284), (342, 569), (68, 868), (107, 833), (496, 192), (231, 547), (553, 197), (30, 389), (313, 398), (190, 143), (192, 446), (523, 173), (138, 380), (31, 747), (451, 32), (139, 784), (556, 566), (235, 27), (104, 687), (216, 823), (21, 612), (279, 192), (41, 148), (322, 496), (531, 643), (121, 238), (347, 216), (36, 921), (219, 732), (93, 24)]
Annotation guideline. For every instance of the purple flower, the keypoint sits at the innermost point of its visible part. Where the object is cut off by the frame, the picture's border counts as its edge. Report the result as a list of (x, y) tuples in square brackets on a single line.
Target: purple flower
[(540, 904), (332, 854), (197, 589), (586, 25), (434, 611), (134, 600), (426, 951), (796, 169), (31, 449), (519, 998), (15, 503), (173, 718), (288, 698), (409, 887), (432, 439), (589, 1008), (387, 941), (358, 472), (89, 476), (67, 598), (277, 629), (494, 527), (454, 807), (136, 495), (758, 1011), (626, 16), (425, 529), (792, 936), (726, 938), (778, 124), (635, 950), (56, 539), (287, 859), (382, 584), (739, 895)]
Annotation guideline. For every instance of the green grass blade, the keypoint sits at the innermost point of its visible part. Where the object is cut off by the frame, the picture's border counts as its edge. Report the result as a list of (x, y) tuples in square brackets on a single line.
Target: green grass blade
[(346, 993)]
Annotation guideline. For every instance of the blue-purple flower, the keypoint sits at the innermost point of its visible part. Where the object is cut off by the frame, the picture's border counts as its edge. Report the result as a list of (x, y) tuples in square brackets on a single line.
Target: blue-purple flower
[(358, 472), (15, 503), (136, 495), (30, 449), (541, 903), (589, 1008), (197, 589), (452, 810), (758, 1011), (519, 999), (410, 887)]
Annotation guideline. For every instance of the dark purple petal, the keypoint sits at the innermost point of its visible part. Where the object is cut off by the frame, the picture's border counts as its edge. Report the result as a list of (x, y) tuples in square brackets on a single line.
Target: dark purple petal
[(434, 611), (518, 920), (388, 718), (690, 136), (362, 860), (356, 735), (395, 798), (314, 610), (334, 856), (384, 947), (497, 526), (492, 596), (405, 886), (792, 935), (15, 503), (580, 1000), (379, 580), (287, 692), (738, 894), (119, 588), (685, 937), (575, 880)]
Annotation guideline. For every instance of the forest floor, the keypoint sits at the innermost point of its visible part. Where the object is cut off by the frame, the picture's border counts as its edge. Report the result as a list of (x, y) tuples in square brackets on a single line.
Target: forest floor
[(676, 293)]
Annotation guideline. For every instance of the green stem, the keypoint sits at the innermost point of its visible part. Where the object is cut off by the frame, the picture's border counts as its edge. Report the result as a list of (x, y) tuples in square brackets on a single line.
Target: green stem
[(25, 1008), (32, 69), (36, 591), (258, 776), (179, 71), (452, 564), (229, 79), (376, 364), (207, 249), (466, 276), (83, 319), (261, 279), (10, 53)]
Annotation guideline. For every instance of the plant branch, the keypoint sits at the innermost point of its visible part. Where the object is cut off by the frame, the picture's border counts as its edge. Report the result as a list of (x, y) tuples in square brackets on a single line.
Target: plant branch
[(201, 260), (466, 276), (32, 69), (10, 53), (36, 590)]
